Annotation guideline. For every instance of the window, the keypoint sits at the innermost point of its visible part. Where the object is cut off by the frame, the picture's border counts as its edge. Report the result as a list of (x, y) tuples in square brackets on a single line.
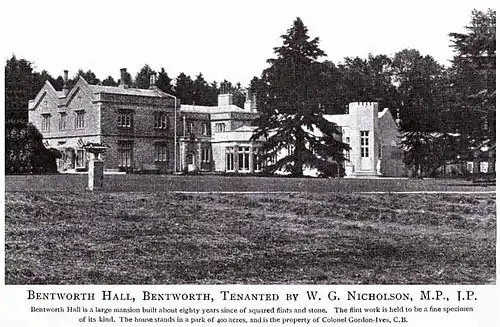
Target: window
[(220, 127), (273, 158), (125, 154), (160, 152), (229, 159), (45, 122), (80, 158), (483, 167), (80, 119), (289, 150), (470, 166), (62, 121), (256, 158), (204, 129), (161, 121), (189, 128), (125, 119), (347, 151), (205, 155), (364, 144), (243, 158)]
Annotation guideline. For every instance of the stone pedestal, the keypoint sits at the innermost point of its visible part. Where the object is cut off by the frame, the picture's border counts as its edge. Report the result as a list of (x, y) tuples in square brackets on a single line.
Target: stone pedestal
[(96, 175)]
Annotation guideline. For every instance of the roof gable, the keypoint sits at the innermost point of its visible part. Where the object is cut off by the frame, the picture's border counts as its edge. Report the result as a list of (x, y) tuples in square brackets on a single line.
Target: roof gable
[(47, 93), (386, 116), (81, 88)]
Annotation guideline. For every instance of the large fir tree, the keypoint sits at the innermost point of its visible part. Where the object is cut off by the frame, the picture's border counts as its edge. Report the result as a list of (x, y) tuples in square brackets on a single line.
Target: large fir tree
[(289, 96)]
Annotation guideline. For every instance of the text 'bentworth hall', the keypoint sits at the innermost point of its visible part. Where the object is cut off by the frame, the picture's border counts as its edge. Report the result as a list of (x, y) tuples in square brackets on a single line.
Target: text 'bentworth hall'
[(148, 130)]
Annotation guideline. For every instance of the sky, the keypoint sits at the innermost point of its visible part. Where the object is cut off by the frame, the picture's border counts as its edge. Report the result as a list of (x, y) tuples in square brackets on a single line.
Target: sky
[(221, 39)]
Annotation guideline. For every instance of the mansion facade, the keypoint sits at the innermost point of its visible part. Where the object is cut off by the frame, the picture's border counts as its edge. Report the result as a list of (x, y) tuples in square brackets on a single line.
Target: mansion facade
[(148, 130)]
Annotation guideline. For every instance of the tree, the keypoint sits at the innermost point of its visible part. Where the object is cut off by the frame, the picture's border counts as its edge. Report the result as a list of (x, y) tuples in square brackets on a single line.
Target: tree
[(419, 82), (202, 92), (43, 76), (423, 101), (89, 76), (238, 92), (368, 80), (474, 77), (239, 95), (142, 79), (164, 82), (109, 81), (24, 150), (21, 85), (289, 94), (184, 89), (213, 93)]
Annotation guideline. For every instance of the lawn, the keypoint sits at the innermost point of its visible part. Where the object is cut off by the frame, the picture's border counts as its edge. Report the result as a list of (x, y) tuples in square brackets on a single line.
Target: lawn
[(78, 237)]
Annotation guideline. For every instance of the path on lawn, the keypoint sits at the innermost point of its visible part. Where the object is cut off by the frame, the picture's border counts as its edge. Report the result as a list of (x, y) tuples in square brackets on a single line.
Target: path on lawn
[(242, 184)]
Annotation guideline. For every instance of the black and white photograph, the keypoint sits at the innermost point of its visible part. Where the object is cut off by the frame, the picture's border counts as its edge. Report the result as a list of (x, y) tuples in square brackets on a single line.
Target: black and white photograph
[(252, 143)]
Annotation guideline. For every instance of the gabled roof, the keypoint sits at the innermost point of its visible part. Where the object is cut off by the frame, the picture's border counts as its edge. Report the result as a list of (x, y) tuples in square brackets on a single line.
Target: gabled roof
[(46, 90), (63, 99)]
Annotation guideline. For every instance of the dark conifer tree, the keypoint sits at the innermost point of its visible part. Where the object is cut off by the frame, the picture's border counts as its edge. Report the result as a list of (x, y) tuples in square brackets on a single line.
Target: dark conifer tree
[(289, 95)]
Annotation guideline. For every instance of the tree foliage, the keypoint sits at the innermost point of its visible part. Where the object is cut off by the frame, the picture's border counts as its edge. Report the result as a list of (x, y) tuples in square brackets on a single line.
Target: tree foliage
[(25, 152), (164, 82), (21, 85), (142, 79), (474, 77), (289, 95), (420, 87), (109, 81), (184, 89), (88, 75), (365, 80)]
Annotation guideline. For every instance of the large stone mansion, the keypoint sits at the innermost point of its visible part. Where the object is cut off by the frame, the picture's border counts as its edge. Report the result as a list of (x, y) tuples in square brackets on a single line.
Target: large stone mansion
[(149, 130)]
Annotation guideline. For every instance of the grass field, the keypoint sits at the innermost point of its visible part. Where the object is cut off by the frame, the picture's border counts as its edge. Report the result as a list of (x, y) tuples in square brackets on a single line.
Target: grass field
[(77, 237), (211, 183)]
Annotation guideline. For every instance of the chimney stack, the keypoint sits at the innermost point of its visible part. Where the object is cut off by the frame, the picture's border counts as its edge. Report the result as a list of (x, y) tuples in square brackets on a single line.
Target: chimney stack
[(123, 76), (152, 80), (65, 83), (225, 100), (251, 102)]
